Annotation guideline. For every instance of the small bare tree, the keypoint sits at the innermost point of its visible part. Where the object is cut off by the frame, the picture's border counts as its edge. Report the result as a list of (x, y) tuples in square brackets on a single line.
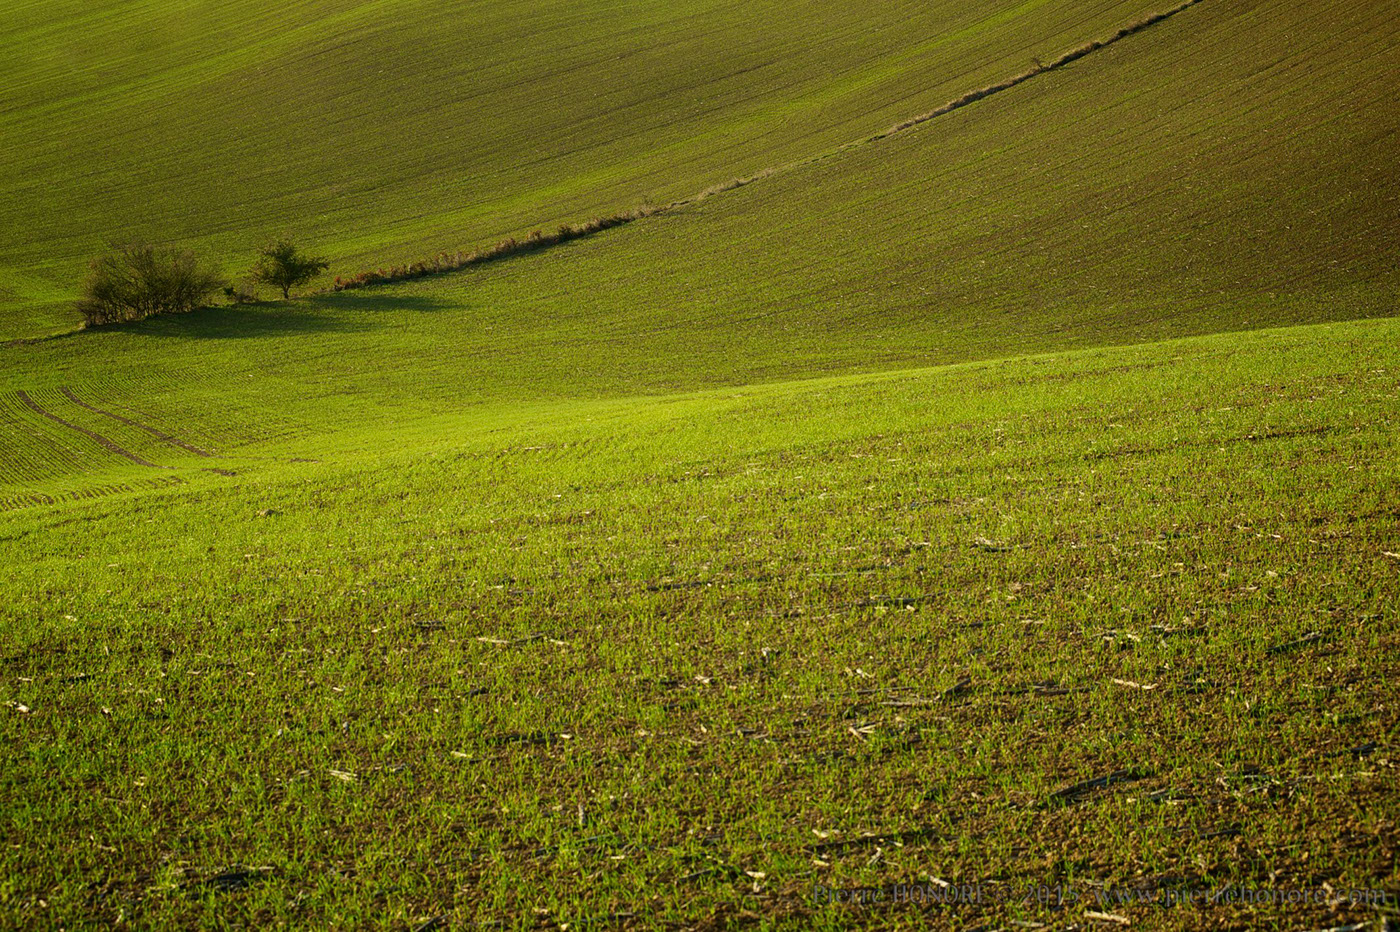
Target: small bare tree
[(283, 265)]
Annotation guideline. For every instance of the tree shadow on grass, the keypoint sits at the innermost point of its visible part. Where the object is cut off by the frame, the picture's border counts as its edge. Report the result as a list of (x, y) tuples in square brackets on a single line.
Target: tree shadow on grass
[(318, 314), (370, 300)]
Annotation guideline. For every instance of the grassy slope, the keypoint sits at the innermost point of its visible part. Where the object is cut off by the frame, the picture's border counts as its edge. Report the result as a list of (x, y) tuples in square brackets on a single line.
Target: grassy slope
[(738, 611), (721, 564), (384, 130), (1052, 216)]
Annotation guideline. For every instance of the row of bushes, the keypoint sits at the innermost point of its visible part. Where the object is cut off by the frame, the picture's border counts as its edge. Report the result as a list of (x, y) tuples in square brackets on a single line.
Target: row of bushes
[(451, 262), (137, 280)]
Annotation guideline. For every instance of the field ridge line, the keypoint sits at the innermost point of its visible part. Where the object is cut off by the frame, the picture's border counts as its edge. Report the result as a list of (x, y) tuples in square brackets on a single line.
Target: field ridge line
[(153, 431), (110, 445), (1066, 58), (958, 103), (511, 247)]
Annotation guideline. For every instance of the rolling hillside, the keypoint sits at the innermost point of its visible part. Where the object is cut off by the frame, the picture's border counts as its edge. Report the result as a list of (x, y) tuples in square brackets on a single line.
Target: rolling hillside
[(1117, 621), (388, 129), (1131, 196), (1003, 503)]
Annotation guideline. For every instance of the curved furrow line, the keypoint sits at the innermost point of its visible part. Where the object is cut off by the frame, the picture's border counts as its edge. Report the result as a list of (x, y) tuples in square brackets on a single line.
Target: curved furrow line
[(108, 444), (154, 432)]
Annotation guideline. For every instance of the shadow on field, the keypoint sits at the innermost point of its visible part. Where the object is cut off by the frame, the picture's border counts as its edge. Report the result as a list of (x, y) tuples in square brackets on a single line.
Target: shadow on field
[(369, 301), (319, 314)]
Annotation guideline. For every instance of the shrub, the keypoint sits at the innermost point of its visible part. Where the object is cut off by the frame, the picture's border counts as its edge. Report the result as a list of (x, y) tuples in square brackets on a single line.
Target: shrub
[(139, 279), (283, 265), (539, 239)]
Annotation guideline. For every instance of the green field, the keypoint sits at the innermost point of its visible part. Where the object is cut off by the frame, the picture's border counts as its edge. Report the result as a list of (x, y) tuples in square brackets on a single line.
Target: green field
[(391, 129), (1005, 504)]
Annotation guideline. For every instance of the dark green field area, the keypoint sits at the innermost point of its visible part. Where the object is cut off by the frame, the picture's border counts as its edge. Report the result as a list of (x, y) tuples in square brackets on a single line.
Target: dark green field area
[(392, 129), (1008, 504)]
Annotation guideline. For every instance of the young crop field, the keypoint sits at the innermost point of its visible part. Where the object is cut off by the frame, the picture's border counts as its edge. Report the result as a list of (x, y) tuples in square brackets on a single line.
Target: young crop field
[(694, 655), (964, 494), (392, 129)]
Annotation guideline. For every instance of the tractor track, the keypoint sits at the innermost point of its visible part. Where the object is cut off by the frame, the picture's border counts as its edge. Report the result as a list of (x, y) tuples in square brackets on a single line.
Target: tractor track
[(154, 432), (103, 441)]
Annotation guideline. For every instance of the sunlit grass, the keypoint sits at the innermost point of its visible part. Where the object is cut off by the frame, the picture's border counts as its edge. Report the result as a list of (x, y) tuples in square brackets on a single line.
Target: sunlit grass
[(621, 657), (1006, 502)]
